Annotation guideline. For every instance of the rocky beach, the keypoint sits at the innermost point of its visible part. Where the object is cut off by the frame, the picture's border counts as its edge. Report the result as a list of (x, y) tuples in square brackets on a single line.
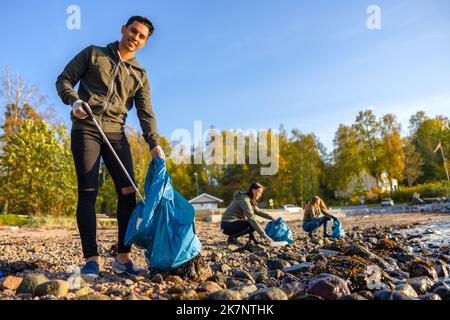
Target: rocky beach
[(386, 257)]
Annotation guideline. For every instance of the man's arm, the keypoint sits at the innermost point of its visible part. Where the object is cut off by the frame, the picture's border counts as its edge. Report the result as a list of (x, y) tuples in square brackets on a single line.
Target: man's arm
[(71, 74), (147, 118)]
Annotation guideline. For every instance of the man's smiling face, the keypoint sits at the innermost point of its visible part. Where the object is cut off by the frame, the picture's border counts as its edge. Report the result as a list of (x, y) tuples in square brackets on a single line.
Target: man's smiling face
[(135, 36)]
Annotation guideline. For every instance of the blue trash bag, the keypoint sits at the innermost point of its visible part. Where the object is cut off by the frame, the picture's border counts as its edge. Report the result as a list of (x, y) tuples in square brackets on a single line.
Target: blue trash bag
[(165, 225), (279, 231), (337, 229)]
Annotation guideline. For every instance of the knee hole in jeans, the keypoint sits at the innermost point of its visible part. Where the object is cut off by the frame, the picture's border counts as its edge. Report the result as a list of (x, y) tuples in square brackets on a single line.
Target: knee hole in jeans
[(127, 190)]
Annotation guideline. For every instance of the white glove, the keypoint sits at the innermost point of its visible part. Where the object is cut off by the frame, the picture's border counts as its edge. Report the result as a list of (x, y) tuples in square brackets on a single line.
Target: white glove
[(158, 152), (78, 111)]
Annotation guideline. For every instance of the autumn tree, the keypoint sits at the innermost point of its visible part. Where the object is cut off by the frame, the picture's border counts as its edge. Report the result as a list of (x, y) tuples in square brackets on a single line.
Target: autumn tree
[(426, 138), (413, 164), (367, 129), (348, 159), (392, 157)]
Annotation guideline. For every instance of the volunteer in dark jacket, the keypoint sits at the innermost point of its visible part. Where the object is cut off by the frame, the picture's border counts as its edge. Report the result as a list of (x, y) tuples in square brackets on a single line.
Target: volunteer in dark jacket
[(239, 218), (111, 81)]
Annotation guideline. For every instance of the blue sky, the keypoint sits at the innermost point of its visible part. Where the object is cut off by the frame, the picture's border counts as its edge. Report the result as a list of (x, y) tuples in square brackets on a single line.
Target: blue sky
[(256, 64)]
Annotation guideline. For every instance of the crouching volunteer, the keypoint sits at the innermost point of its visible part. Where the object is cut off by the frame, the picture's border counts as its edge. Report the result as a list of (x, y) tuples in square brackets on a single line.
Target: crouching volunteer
[(239, 217), (315, 215), (111, 80)]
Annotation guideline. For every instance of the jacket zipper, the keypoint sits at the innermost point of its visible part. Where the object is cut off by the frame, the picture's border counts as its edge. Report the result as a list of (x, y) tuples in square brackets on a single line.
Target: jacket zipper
[(111, 86), (110, 92)]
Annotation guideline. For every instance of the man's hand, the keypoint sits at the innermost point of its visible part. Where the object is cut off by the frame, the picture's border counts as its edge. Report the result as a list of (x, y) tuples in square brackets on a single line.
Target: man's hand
[(157, 152), (78, 111)]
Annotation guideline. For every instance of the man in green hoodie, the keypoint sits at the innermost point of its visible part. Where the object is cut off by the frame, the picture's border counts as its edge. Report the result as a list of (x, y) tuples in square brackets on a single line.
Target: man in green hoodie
[(111, 81)]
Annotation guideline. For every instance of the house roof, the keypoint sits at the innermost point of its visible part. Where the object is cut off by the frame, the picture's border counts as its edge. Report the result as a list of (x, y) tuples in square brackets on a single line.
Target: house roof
[(205, 198)]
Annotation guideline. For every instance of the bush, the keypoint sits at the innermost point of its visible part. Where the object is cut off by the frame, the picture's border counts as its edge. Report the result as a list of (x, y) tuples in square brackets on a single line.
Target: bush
[(426, 190), (403, 195), (37, 174), (13, 220)]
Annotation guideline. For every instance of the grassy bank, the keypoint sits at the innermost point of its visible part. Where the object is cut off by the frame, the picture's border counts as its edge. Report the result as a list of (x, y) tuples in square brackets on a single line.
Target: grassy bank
[(48, 221)]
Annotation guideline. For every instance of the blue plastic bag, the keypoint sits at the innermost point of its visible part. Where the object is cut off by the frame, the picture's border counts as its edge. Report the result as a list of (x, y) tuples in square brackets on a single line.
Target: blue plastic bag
[(164, 226), (338, 231), (279, 231)]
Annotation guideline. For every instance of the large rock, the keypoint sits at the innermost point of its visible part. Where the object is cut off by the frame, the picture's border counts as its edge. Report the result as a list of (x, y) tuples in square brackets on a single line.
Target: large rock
[(443, 292), (11, 282), (421, 284), (366, 294), (254, 258), (134, 296), (444, 257), (209, 287), (216, 257), (57, 288), (430, 296), (419, 268), (262, 277), (189, 295), (174, 279), (319, 259), (234, 282), (440, 283), (407, 290), (390, 295), (274, 264), (307, 297), (245, 290), (360, 251), (29, 282), (276, 274), (197, 269), (242, 274), (223, 295), (292, 288), (301, 267), (292, 256), (352, 297), (328, 286), (442, 269), (271, 293), (82, 291), (329, 253), (94, 296), (158, 278)]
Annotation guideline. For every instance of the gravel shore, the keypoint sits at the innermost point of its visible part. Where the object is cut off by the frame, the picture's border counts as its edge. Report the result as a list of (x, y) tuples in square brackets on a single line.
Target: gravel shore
[(377, 260)]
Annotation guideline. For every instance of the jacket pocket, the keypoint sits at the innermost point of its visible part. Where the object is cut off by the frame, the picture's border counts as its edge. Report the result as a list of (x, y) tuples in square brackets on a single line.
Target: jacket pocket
[(96, 103)]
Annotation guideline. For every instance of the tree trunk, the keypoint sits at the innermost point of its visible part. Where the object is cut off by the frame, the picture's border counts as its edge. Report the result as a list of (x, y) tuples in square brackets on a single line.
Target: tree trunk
[(5, 208)]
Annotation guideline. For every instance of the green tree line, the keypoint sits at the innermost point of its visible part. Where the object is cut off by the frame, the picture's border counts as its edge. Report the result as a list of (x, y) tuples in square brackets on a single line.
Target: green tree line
[(37, 174)]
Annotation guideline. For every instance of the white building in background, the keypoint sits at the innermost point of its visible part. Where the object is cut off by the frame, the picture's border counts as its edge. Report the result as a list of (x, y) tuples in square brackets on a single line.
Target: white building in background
[(367, 183), (205, 201)]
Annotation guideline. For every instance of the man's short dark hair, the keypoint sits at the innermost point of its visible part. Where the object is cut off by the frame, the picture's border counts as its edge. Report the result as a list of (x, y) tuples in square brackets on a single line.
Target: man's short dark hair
[(144, 21)]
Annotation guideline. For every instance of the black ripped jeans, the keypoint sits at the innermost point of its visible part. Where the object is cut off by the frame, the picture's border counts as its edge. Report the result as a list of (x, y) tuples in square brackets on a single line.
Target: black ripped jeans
[(87, 148)]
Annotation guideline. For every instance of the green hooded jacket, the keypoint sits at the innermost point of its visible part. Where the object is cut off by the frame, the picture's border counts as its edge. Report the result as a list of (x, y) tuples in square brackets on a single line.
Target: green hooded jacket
[(110, 85), (242, 209)]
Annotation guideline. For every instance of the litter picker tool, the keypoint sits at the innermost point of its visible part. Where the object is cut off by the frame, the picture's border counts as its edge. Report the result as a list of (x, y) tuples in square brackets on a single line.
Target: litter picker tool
[(88, 110)]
